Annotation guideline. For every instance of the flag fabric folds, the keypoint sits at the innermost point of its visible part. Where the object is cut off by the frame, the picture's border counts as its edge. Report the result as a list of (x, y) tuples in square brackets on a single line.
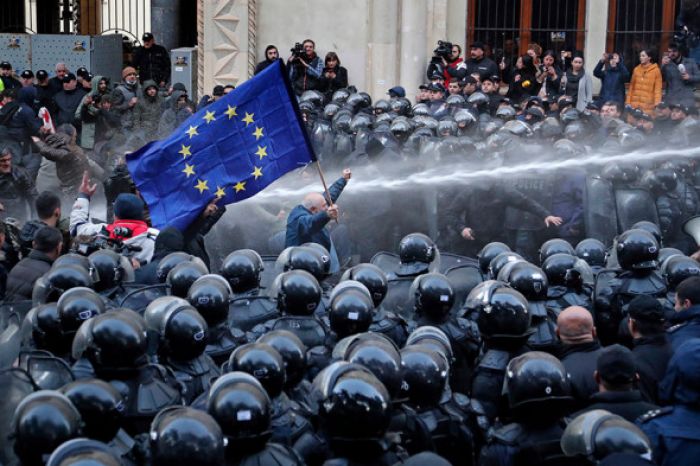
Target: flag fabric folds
[(232, 149)]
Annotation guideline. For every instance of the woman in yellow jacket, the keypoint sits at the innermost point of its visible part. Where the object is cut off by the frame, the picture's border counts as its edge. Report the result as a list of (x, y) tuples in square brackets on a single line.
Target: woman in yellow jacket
[(645, 88)]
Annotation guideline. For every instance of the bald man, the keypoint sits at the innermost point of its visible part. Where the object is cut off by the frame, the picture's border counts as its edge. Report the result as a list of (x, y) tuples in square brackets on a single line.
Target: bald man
[(307, 222), (580, 351)]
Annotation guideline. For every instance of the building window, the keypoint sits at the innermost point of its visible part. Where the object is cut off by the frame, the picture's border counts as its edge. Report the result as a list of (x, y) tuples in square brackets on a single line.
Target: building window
[(634, 25), (509, 26)]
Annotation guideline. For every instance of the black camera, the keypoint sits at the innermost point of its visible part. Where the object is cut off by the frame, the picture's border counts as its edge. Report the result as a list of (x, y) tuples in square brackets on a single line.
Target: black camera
[(443, 50), (297, 50)]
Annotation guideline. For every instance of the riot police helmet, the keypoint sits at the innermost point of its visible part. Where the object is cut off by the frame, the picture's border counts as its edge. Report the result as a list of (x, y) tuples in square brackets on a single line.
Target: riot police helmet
[(340, 96), (377, 353), (210, 295), (382, 106), (113, 340), (567, 270), (592, 251), (305, 258), (637, 250), (500, 311), (667, 253), (400, 106), (649, 227), (263, 362), (489, 252), (293, 352), (83, 452), (183, 275), (659, 181), (242, 270), (330, 110), (555, 246), (58, 280), (297, 292), (100, 405), (500, 261), (76, 306), (425, 374), (536, 380), (598, 433), (351, 310), (433, 296), (529, 280), (678, 268), (181, 331), (312, 96), (46, 329), (169, 262), (112, 269), (355, 405), (182, 436), (421, 109), (417, 254), (42, 421), (372, 277), (242, 407), (432, 337), (77, 259)]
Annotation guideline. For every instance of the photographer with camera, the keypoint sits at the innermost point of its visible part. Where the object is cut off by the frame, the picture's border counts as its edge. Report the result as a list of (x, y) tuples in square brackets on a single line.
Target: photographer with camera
[(613, 75), (305, 67), (447, 62), (129, 225), (680, 76)]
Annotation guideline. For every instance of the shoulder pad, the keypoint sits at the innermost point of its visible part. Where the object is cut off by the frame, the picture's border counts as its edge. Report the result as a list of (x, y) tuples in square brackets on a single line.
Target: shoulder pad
[(462, 401), (508, 434), (654, 413), (676, 327), (495, 359)]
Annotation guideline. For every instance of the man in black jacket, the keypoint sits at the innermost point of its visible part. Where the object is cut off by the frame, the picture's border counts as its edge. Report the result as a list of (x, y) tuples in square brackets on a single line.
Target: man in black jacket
[(616, 377), (17, 190), (48, 209), (580, 351), (48, 242), (68, 100), (479, 64), (152, 61), (271, 56), (651, 350)]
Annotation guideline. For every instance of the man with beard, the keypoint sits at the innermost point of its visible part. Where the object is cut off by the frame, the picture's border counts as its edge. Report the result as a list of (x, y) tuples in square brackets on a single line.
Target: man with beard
[(681, 76), (479, 63), (305, 70)]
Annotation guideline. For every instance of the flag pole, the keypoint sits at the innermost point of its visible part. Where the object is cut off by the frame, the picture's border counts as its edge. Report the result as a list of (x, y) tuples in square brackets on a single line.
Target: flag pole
[(325, 185)]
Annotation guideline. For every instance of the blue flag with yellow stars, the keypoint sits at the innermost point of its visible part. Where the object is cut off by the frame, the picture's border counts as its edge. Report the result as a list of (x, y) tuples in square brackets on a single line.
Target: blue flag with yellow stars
[(231, 150)]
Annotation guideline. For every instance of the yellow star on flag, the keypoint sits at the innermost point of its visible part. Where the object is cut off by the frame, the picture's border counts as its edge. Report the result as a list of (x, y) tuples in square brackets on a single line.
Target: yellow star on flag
[(185, 151), (209, 117), (240, 186), (219, 192), (261, 152), (192, 131), (258, 133), (201, 186), (189, 170), (231, 112), (248, 118), (257, 173)]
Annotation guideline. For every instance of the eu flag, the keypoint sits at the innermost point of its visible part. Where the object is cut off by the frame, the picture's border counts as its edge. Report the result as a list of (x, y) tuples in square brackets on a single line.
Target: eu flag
[(232, 149)]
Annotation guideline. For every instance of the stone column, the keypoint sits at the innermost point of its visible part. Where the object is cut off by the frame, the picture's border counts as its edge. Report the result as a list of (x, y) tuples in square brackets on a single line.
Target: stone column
[(382, 67), (596, 36), (457, 23), (165, 22), (224, 45), (414, 45)]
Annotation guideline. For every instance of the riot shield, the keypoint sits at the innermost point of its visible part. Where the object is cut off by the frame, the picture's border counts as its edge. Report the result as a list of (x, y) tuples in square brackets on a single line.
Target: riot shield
[(247, 312), (10, 340), (387, 261), (48, 372), (16, 384), (634, 205), (21, 308), (463, 279), (600, 216), (138, 297), (269, 273), (398, 299)]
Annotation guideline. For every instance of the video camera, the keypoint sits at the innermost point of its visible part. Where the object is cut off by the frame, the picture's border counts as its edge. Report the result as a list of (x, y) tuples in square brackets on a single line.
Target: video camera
[(297, 50), (443, 50), (86, 245)]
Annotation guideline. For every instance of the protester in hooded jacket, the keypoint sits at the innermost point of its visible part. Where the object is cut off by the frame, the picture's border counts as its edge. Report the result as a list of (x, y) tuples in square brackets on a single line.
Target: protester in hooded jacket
[(89, 109), (646, 84), (126, 96), (148, 110), (179, 109), (169, 240), (71, 161), (23, 122)]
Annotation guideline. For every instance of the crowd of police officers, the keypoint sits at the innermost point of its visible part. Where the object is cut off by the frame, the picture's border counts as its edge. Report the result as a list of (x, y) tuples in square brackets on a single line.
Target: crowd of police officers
[(414, 355)]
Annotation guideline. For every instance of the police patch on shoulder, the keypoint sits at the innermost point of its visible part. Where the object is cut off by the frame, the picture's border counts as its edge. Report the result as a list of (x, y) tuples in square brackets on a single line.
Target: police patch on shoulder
[(654, 413)]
